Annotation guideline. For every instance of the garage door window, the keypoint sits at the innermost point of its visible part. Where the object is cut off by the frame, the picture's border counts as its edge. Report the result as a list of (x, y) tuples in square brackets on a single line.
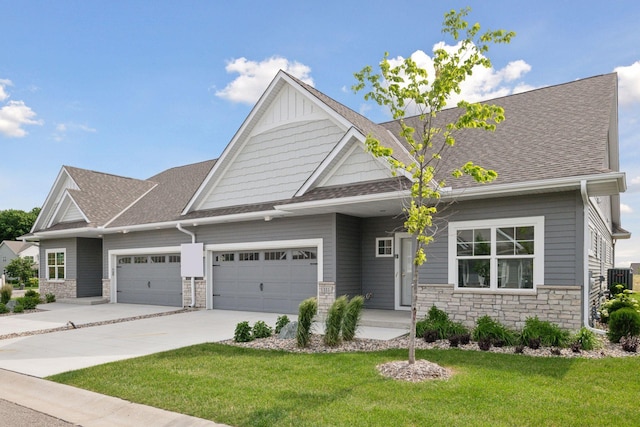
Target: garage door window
[(249, 256), (275, 256), (297, 254), (156, 259), (174, 258), (125, 260), (140, 260)]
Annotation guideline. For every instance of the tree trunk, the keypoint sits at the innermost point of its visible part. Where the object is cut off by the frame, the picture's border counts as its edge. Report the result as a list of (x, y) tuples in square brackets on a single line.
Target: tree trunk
[(414, 315)]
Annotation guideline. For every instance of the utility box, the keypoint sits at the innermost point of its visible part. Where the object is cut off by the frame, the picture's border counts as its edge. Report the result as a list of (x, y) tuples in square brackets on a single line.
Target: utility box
[(619, 276)]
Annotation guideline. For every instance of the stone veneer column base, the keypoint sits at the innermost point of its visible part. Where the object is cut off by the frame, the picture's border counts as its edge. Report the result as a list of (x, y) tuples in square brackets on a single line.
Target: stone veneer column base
[(561, 305), (326, 297), (61, 289), (201, 293), (106, 289)]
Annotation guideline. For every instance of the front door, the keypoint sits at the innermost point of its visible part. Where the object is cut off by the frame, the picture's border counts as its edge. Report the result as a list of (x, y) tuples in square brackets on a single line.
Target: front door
[(406, 270)]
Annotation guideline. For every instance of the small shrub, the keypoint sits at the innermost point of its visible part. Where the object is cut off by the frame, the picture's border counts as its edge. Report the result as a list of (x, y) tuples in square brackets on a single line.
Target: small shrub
[(465, 338), (493, 330), (31, 293), (630, 343), (550, 334), (585, 340), (430, 335), (454, 340), (333, 322), (625, 321), (34, 282), (484, 344), (556, 351), (306, 311), (261, 330), (281, 322), (18, 308), (438, 320), (29, 303), (5, 293), (352, 316), (49, 298), (519, 349), (621, 300), (534, 343), (243, 332), (3, 308), (421, 327), (497, 342)]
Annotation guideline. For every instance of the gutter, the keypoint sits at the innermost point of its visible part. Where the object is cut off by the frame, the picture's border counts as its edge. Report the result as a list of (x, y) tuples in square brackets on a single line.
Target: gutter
[(585, 258), (193, 279)]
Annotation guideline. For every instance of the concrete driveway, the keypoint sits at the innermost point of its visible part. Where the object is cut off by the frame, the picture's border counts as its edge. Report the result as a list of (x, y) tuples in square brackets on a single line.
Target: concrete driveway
[(50, 353)]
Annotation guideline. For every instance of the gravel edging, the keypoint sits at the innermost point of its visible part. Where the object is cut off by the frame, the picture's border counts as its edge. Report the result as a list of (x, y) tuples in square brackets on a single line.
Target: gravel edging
[(71, 326)]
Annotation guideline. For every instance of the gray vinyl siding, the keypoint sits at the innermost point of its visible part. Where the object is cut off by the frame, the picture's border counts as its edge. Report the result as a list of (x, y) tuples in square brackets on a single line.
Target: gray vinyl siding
[(89, 273), (71, 258), (348, 265), (378, 276), (6, 256), (312, 227)]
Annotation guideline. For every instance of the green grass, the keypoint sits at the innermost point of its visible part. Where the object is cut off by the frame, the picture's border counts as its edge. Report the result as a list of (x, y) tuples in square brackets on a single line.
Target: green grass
[(246, 387)]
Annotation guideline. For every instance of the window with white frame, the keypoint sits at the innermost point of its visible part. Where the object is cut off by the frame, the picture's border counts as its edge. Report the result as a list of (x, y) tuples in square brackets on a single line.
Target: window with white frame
[(56, 265), (384, 246), (497, 254)]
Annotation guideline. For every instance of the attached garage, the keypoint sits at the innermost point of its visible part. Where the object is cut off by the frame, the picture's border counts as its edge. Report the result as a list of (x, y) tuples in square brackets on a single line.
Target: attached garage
[(272, 280), (149, 279)]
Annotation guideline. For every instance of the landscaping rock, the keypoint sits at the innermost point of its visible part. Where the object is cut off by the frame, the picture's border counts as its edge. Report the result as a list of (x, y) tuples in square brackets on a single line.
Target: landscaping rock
[(288, 331), (11, 304)]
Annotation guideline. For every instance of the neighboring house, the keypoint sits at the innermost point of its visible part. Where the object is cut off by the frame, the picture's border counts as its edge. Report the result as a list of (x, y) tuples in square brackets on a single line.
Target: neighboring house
[(296, 207), (11, 249)]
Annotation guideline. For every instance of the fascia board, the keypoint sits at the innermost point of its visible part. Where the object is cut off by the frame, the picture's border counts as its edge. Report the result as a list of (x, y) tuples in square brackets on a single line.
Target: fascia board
[(72, 232), (402, 194), (540, 185), (54, 191), (66, 196)]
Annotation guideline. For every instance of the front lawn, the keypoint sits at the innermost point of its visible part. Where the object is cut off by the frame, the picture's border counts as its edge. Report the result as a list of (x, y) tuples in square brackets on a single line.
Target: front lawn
[(248, 387)]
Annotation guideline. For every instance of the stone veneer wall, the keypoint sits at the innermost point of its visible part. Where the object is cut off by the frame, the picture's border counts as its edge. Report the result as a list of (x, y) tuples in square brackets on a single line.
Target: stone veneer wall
[(66, 289), (561, 305), (201, 293), (326, 297), (106, 289)]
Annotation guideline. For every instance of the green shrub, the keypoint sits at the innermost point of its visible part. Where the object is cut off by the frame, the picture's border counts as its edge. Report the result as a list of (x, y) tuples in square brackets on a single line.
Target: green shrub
[(29, 303), (281, 322), (34, 282), (438, 320), (49, 298), (621, 300), (586, 339), (550, 334), (306, 312), (3, 308), (333, 322), (494, 331), (261, 330), (18, 308), (352, 316), (31, 293), (623, 322), (630, 343), (243, 332), (5, 293)]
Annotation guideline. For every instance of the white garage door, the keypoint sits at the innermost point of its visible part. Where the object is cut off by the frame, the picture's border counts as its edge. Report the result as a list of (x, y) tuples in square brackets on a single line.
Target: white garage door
[(274, 281), (149, 279)]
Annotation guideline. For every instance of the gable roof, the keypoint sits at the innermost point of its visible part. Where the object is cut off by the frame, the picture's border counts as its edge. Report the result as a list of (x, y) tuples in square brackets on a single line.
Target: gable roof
[(16, 246), (552, 139)]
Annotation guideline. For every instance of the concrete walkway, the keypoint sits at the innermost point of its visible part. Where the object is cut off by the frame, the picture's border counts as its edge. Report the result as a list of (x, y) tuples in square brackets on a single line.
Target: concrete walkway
[(26, 359)]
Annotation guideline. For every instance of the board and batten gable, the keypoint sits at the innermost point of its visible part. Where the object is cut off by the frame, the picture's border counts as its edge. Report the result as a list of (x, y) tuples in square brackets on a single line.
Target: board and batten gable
[(288, 142), (297, 228)]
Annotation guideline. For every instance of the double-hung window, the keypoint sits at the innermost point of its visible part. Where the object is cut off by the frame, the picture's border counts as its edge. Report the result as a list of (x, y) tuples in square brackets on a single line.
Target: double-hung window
[(56, 265), (504, 254)]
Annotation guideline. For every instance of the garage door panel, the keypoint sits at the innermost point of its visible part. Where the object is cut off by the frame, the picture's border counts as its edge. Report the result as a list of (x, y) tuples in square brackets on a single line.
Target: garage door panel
[(142, 281), (285, 281)]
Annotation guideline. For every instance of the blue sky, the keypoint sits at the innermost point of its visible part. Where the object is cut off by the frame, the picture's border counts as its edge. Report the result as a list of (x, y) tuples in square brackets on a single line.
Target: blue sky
[(133, 88)]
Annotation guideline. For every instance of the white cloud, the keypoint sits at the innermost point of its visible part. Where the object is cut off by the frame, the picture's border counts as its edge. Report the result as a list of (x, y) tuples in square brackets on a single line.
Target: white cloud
[(3, 94), (254, 77), (484, 83), (13, 116), (63, 129), (629, 83), (624, 208)]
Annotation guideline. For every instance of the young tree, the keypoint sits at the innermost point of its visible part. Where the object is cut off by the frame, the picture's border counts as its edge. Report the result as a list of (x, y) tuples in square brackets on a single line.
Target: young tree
[(407, 86), (21, 268)]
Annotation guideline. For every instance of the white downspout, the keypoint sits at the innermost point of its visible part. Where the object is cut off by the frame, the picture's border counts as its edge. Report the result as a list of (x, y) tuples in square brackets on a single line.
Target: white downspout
[(585, 258), (193, 279)]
